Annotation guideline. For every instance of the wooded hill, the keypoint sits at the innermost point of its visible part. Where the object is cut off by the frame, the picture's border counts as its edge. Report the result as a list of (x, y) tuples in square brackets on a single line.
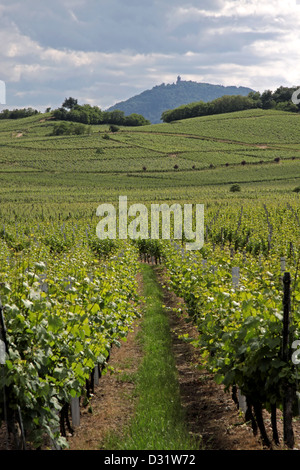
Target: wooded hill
[(152, 103)]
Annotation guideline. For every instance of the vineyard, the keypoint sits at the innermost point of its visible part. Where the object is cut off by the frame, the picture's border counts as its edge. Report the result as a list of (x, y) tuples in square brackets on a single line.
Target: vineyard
[(243, 292), (194, 160), (60, 323), (67, 298)]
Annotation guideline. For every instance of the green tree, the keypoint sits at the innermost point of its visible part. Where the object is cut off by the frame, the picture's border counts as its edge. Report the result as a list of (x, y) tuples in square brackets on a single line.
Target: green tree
[(69, 103), (267, 100), (113, 128), (283, 94), (135, 120), (60, 114)]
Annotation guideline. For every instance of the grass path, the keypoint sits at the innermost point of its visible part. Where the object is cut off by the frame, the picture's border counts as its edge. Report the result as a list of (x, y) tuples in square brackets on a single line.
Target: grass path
[(158, 422), (156, 398)]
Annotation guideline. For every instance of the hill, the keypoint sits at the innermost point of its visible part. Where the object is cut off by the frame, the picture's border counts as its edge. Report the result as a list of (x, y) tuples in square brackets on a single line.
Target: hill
[(193, 160), (69, 299), (152, 103)]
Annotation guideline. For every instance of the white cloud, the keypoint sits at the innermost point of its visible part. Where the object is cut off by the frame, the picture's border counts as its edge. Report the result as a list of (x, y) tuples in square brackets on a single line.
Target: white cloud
[(104, 52), (239, 9)]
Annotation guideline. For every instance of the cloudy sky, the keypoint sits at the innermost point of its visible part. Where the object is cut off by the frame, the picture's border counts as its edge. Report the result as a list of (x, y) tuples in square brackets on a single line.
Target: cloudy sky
[(101, 52)]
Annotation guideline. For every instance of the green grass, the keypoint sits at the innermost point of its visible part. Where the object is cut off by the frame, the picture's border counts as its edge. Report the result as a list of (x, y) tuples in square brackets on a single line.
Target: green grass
[(38, 170), (158, 423), (252, 126)]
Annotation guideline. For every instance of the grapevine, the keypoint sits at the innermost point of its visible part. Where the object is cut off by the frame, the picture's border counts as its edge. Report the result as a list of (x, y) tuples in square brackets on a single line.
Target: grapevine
[(65, 304)]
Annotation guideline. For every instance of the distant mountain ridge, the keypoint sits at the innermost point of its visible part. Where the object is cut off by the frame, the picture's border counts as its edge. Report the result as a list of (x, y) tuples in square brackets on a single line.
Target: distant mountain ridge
[(152, 103)]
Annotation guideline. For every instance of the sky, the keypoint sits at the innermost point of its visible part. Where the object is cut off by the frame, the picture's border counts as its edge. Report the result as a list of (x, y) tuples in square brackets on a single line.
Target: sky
[(102, 52)]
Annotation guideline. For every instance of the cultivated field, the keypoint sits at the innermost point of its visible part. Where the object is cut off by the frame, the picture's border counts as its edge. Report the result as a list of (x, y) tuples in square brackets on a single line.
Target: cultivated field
[(56, 274)]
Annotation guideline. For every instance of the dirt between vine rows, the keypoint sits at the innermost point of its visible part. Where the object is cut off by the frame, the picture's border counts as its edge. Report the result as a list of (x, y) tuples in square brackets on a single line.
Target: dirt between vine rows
[(210, 411)]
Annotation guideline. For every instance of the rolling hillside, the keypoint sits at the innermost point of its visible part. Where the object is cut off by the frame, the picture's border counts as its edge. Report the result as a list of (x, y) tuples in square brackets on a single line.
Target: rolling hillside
[(69, 297), (152, 103), (192, 160)]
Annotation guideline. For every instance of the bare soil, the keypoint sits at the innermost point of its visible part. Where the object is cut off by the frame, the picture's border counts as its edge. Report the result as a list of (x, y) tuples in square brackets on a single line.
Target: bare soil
[(113, 402)]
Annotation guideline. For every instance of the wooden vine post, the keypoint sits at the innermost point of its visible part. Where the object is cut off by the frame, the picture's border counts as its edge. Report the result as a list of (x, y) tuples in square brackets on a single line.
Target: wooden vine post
[(10, 417), (288, 394)]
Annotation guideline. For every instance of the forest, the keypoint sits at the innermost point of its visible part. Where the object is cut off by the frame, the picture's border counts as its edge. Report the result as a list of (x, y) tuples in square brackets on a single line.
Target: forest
[(280, 99)]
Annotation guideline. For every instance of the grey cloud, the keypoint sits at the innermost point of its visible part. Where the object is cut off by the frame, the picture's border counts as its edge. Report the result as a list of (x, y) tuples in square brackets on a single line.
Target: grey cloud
[(106, 51), (140, 26)]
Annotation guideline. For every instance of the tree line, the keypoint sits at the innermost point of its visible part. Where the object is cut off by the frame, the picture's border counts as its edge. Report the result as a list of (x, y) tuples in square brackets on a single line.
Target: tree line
[(280, 99), (81, 114), (18, 113), (87, 114)]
